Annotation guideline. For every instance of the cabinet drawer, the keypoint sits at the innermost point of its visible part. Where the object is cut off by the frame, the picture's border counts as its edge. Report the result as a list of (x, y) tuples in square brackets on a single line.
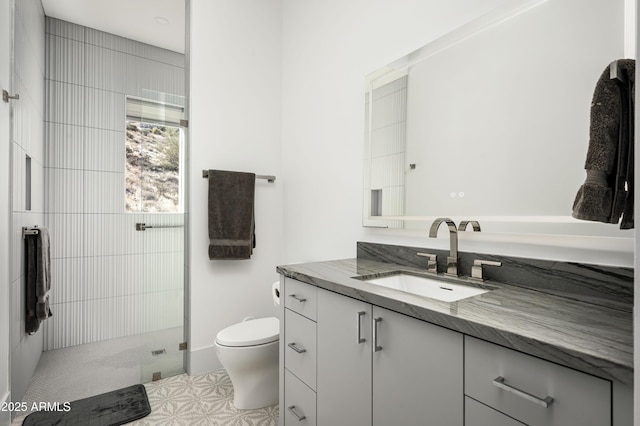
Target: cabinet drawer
[(299, 402), (476, 414), (300, 347), (515, 384), (301, 297)]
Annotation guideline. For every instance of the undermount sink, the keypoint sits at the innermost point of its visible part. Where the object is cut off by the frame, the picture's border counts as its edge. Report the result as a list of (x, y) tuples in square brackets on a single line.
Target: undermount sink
[(425, 286)]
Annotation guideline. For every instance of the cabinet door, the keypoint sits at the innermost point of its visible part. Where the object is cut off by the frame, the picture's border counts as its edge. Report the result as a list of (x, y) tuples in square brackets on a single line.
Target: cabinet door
[(417, 372), (343, 360)]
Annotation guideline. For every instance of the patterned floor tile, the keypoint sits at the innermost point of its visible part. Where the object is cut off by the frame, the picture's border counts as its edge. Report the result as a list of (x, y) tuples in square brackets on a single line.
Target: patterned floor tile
[(202, 400), (205, 399)]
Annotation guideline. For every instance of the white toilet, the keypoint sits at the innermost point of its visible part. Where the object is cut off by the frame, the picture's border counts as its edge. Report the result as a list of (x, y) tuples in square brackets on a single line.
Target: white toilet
[(249, 352)]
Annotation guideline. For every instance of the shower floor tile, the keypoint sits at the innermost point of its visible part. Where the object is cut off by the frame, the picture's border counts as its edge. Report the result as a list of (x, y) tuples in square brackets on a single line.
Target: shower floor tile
[(85, 370)]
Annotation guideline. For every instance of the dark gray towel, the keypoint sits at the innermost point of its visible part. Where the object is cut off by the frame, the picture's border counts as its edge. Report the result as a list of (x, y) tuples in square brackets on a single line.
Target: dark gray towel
[(37, 279), (231, 214), (607, 193)]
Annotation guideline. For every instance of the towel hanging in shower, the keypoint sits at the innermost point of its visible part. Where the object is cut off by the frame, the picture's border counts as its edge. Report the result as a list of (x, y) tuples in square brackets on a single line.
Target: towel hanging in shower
[(37, 279)]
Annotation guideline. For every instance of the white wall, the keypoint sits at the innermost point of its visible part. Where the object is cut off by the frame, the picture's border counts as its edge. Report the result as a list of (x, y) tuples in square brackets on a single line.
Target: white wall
[(27, 140), (329, 46), (5, 143), (235, 123)]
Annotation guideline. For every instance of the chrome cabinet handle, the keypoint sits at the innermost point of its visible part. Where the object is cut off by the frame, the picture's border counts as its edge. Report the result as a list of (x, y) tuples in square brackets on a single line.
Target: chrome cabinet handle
[(293, 411), (297, 349), (359, 338), (376, 347), (299, 299), (545, 402)]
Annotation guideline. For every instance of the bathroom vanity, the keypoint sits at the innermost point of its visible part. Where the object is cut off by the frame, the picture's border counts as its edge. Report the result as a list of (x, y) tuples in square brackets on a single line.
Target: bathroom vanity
[(358, 353)]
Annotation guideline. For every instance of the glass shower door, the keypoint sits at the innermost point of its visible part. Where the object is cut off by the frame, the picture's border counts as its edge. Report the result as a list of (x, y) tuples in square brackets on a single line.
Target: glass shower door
[(155, 182)]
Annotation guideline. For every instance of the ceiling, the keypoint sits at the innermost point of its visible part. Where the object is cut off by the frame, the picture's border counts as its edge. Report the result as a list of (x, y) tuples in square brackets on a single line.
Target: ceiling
[(157, 22)]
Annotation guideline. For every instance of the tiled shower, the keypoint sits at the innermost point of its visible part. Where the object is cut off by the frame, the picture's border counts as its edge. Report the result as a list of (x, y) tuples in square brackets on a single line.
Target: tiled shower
[(109, 280)]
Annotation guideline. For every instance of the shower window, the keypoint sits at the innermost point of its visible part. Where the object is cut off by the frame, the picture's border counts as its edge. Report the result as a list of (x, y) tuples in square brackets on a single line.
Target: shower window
[(154, 157)]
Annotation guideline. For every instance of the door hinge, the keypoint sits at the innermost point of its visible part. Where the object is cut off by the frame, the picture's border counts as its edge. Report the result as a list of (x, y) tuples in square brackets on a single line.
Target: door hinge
[(182, 346), (184, 123)]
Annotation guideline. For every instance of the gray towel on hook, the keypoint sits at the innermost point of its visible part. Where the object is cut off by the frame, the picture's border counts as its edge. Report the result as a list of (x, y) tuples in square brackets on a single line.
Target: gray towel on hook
[(231, 215), (37, 279), (607, 193)]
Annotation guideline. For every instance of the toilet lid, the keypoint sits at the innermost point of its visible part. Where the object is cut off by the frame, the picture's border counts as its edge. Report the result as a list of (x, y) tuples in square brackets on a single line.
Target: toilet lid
[(250, 333)]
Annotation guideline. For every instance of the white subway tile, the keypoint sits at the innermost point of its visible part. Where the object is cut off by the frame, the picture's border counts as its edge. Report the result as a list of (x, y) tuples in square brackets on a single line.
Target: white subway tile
[(104, 150), (104, 109), (103, 192), (64, 29), (68, 282), (65, 103), (65, 146), (65, 60), (65, 191), (67, 234)]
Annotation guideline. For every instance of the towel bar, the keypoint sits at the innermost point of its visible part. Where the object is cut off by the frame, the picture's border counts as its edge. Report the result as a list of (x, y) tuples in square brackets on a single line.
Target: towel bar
[(29, 231), (617, 73), (144, 226), (269, 178)]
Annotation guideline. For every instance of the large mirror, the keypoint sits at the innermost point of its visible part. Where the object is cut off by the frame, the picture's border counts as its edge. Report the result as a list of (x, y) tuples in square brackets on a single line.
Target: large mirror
[(491, 121)]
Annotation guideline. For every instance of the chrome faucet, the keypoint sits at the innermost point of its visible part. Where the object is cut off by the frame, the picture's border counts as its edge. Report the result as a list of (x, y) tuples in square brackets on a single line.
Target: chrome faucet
[(474, 224), (452, 259)]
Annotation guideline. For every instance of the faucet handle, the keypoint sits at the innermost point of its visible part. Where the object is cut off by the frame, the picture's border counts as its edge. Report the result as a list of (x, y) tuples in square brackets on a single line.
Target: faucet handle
[(432, 263), (476, 269)]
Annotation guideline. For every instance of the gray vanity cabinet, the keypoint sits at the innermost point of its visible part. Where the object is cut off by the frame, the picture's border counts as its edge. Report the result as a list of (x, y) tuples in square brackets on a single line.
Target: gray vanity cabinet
[(378, 367), (534, 391), (298, 354)]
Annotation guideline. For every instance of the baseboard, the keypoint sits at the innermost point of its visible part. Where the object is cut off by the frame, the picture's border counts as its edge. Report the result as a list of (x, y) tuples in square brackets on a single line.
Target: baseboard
[(202, 360), (5, 415)]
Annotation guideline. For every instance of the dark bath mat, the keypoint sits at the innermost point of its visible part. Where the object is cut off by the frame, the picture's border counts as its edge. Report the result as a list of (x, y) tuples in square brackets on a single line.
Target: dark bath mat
[(108, 409)]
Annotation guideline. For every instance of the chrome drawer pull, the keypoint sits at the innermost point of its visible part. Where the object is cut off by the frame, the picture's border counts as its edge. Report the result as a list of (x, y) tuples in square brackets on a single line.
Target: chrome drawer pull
[(292, 410), (297, 349), (360, 339), (376, 321), (299, 299), (546, 402)]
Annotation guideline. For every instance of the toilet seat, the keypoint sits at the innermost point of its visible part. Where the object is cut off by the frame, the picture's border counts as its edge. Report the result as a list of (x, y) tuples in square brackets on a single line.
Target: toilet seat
[(250, 333)]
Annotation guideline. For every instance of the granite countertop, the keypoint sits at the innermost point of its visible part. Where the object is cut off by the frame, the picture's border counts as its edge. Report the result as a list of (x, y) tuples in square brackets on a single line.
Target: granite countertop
[(574, 333)]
